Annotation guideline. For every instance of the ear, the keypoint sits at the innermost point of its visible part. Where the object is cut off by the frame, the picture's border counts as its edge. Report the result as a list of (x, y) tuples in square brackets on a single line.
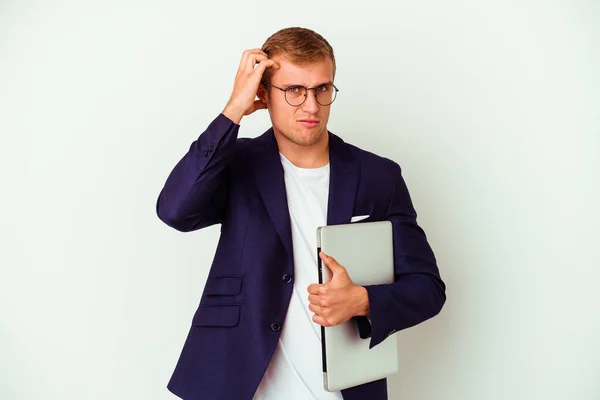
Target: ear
[(262, 93)]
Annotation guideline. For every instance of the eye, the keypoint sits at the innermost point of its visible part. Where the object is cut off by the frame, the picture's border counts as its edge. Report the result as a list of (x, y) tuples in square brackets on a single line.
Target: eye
[(323, 88), (294, 89)]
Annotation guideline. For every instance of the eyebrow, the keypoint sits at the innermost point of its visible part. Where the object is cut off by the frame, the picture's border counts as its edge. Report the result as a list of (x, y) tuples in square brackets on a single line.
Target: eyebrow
[(295, 84)]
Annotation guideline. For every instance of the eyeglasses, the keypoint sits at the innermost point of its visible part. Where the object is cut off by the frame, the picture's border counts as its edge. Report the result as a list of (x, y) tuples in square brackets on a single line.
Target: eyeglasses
[(296, 95)]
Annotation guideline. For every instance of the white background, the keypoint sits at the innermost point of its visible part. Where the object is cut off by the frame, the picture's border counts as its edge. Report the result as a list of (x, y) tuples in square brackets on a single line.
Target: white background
[(492, 108)]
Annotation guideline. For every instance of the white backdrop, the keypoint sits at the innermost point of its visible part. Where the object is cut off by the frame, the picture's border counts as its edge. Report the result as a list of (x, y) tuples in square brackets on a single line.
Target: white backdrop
[(492, 108)]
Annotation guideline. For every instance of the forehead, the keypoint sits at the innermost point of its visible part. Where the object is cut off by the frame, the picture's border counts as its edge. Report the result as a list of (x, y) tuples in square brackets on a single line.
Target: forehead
[(305, 74)]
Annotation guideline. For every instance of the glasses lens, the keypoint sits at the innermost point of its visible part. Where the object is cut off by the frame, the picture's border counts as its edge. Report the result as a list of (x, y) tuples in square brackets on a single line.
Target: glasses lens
[(325, 94), (295, 95)]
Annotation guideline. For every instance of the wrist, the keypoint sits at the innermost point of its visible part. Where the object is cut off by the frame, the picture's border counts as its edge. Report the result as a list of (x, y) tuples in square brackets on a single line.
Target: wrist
[(233, 113), (362, 308)]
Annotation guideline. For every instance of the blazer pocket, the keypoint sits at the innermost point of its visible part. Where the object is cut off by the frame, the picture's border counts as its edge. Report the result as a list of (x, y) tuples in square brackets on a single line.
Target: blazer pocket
[(223, 316), (358, 218), (230, 285)]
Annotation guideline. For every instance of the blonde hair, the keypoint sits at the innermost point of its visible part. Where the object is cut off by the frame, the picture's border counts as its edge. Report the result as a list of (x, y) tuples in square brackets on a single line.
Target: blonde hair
[(301, 46)]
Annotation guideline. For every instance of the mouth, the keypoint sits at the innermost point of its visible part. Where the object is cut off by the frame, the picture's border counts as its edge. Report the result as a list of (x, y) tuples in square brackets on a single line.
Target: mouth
[(309, 122)]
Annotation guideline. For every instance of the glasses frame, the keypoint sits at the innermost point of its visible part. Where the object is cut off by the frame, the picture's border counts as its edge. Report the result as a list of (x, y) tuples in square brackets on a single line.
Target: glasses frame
[(306, 93)]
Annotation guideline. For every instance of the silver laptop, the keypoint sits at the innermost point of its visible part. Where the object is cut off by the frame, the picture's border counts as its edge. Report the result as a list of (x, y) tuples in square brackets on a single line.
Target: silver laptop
[(366, 251)]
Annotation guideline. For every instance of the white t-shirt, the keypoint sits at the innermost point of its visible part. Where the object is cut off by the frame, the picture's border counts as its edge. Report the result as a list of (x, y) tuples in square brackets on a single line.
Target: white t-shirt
[(295, 371)]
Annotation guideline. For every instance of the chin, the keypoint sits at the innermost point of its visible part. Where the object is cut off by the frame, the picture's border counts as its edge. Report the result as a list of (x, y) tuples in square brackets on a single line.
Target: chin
[(306, 138), (302, 136)]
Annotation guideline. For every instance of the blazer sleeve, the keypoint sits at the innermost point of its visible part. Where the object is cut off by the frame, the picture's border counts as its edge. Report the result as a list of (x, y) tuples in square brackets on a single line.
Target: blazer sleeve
[(195, 193), (418, 292)]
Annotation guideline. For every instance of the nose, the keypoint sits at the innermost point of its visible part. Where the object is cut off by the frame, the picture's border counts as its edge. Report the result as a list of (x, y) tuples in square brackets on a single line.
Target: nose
[(310, 105)]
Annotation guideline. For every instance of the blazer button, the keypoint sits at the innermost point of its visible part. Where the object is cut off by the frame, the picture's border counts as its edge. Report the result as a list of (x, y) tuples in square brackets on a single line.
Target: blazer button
[(275, 327), (287, 278)]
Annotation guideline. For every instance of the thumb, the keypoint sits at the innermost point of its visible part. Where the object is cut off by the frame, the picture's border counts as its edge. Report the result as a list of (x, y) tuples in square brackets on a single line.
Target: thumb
[(258, 105), (333, 265)]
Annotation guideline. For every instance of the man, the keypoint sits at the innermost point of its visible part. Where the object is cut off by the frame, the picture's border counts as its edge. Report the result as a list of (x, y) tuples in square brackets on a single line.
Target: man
[(256, 333)]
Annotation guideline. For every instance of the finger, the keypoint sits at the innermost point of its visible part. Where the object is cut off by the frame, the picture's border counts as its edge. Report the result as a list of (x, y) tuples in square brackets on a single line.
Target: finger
[(320, 320), (324, 312), (318, 300), (246, 54), (259, 69), (316, 309), (314, 299), (254, 59), (264, 64), (259, 105), (255, 51), (275, 65), (243, 61), (313, 289)]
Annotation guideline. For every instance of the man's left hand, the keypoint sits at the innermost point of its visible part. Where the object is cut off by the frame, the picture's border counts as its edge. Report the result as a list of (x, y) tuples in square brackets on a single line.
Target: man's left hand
[(338, 300)]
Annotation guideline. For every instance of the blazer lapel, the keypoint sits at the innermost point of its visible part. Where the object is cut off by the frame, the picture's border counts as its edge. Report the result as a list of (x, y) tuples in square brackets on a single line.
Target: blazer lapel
[(343, 182), (271, 185)]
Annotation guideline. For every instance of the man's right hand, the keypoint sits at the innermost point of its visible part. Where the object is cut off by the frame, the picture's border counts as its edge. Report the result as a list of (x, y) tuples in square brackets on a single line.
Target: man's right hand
[(247, 80)]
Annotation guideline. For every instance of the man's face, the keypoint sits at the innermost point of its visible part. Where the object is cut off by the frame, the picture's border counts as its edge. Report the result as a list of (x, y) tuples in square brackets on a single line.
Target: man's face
[(303, 125)]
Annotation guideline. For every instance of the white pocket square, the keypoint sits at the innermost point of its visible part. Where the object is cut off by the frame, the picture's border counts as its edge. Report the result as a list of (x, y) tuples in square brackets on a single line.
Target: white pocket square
[(359, 218)]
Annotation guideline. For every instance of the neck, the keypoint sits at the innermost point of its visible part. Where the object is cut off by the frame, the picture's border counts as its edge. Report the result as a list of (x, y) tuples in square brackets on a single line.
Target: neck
[(309, 156)]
